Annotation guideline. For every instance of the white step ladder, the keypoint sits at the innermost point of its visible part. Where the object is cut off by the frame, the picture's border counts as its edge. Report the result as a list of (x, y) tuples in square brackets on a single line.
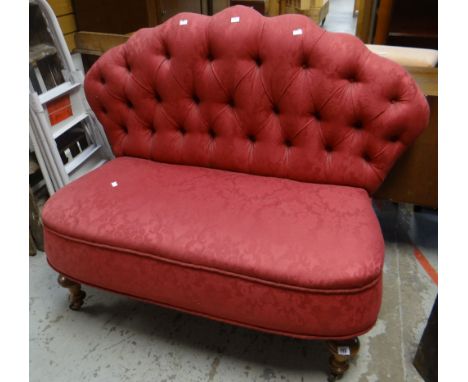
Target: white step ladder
[(64, 133)]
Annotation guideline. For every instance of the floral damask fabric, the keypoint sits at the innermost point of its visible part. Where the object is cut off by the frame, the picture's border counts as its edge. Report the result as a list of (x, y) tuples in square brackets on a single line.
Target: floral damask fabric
[(251, 96), (246, 153), (283, 242)]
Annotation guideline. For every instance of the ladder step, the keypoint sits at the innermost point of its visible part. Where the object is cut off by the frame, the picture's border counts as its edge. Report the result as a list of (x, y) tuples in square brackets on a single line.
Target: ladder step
[(62, 89), (81, 158), (99, 164), (38, 185), (40, 51), (62, 127), (90, 165)]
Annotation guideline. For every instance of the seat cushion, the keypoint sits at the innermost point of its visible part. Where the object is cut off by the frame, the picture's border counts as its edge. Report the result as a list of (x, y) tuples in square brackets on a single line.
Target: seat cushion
[(293, 258)]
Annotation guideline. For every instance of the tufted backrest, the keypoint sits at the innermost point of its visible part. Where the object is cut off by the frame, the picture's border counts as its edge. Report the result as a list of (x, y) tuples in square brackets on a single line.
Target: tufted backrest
[(272, 96)]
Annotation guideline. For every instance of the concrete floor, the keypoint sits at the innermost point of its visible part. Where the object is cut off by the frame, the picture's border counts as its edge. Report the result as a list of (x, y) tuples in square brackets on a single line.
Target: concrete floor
[(340, 17), (117, 339)]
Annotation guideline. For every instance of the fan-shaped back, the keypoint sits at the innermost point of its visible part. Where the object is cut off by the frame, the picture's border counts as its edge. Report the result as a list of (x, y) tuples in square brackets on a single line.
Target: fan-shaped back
[(272, 96)]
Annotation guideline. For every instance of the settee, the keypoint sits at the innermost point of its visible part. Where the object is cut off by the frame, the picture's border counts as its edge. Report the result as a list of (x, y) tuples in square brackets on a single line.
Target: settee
[(247, 150)]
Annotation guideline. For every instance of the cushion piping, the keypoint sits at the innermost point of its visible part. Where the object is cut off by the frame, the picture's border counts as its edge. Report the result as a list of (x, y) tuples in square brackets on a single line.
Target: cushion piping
[(216, 270), (218, 318)]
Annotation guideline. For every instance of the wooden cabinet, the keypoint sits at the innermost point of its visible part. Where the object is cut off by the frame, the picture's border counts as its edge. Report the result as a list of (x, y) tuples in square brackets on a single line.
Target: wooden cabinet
[(414, 177), (63, 9), (399, 22), (169, 8), (317, 11), (126, 16), (413, 23)]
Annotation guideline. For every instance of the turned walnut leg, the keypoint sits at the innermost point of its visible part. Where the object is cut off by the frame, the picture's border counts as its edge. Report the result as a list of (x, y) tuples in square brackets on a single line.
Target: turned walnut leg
[(341, 353), (76, 294)]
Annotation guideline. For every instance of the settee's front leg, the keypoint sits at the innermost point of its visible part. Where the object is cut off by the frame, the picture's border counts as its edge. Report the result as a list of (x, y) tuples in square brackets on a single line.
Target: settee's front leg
[(341, 353), (76, 294)]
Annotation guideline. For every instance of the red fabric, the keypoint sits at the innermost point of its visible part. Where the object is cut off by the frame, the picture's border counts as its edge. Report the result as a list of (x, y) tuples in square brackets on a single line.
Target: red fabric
[(274, 254), (252, 97), (299, 253)]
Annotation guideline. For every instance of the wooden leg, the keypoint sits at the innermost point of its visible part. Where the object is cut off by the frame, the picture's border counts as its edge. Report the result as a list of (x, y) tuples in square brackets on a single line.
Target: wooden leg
[(76, 294), (341, 353), (32, 245), (35, 224)]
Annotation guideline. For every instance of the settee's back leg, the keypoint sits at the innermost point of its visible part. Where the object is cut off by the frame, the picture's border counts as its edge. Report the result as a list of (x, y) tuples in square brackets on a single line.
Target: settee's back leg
[(76, 294), (341, 353)]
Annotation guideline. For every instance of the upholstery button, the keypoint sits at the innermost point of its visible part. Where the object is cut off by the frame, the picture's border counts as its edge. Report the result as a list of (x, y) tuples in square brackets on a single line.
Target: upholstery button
[(328, 148), (124, 128), (393, 138), (210, 57), (305, 63), (358, 125), (276, 109), (104, 110), (129, 104), (252, 138), (258, 61), (196, 99), (212, 133), (128, 67), (102, 80), (394, 99), (317, 115), (352, 79), (366, 157), (182, 130), (157, 97), (287, 142), (231, 102)]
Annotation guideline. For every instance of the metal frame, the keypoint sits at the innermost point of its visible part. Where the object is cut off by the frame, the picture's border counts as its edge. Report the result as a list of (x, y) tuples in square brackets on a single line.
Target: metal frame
[(41, 134)]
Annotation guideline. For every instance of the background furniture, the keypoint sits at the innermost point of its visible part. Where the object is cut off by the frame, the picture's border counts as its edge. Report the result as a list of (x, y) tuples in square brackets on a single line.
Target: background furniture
[(64, 135), (126, 16), (258, 5), (426, 358), (414, 177), (407, 23), (317, 10), (36, 238), (398, 22), (63, 9)]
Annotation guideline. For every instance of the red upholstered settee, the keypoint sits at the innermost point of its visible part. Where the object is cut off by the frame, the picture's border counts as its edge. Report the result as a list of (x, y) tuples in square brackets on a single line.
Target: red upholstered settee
[(247, 149)]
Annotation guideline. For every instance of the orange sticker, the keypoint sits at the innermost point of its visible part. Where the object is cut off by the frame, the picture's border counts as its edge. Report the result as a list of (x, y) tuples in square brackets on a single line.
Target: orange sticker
[(59, 110)]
